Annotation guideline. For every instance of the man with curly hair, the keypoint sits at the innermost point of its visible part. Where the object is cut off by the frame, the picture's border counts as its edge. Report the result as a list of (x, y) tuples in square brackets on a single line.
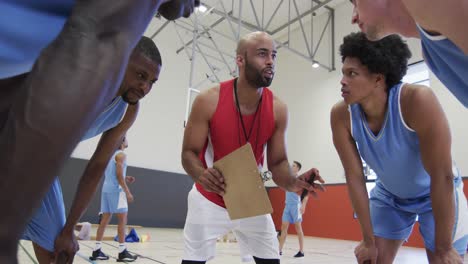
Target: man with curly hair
[(401, 131), (439, 25)]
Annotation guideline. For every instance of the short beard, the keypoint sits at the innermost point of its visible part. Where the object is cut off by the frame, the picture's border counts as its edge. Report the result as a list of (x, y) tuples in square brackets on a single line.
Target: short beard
[(127, 100), (255, 77)]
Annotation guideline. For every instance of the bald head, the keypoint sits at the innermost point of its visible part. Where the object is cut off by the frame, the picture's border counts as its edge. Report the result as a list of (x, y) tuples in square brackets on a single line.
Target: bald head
[(256, 56), (251, 39)]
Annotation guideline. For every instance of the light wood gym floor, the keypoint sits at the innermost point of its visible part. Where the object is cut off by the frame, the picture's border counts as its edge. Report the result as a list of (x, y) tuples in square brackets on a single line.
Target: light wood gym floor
[(166, 247)]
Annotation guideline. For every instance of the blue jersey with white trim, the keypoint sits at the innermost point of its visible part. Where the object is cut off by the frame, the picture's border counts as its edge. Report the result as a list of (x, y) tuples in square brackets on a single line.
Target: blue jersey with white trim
[(109, 118), (111, 183), (292, 198), (394, 153), (448, 62)]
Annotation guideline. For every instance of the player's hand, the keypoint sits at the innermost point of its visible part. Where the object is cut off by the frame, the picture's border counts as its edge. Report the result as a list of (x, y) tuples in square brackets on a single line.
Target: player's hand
[(302, 209), (212, 180), (66, 246), (130, 197), (366, 254), (449, 256), (130, 179), (303, 180)]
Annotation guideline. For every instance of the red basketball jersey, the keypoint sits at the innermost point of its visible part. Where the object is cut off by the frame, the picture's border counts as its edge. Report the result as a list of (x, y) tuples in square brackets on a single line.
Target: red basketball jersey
[(226, 133)]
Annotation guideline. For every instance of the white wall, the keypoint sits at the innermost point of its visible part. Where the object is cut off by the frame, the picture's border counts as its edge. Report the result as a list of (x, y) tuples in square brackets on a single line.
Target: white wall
[(156, 138), (457, 116)]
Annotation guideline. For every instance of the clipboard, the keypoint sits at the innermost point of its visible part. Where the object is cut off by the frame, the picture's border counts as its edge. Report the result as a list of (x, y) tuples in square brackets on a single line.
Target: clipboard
[(245, 194)]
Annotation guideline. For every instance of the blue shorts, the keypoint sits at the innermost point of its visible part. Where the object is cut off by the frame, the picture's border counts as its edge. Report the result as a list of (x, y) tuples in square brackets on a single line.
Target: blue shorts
[(292, 213), (48, 219), (114, 202), (393, 217)]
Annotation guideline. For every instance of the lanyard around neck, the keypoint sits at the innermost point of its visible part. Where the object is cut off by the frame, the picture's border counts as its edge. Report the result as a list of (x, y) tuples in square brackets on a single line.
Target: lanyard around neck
[(247, 136)]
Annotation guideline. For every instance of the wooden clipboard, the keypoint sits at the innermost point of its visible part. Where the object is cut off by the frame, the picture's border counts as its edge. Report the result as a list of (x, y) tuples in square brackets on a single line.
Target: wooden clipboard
[(245, 194)]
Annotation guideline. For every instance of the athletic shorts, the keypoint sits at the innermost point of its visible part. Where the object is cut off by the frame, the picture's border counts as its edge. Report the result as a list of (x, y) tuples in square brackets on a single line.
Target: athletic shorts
[(393, 217), (292, 213), (207, 221), (48, 220), (114, 202)]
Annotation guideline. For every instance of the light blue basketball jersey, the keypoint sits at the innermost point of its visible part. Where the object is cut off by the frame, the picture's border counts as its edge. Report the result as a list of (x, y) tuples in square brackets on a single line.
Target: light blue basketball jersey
[(394, 153), (111, 184), (26, 27), (291, 212), (292, 198), (109, 118), (448, 63), (49, 218)]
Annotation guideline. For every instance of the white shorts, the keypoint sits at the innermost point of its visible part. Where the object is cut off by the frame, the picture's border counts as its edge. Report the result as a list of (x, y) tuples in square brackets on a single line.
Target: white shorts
[(207, 221)]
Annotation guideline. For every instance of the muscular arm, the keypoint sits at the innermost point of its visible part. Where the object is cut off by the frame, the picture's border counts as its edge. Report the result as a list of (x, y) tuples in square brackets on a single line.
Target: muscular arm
[(195, 135), (425, 115), (276, 150), (428, 14), (351, 161), (94, 171)]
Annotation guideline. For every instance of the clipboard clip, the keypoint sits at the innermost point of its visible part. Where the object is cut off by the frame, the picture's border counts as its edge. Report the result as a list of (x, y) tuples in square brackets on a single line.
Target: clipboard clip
[(266, 176)]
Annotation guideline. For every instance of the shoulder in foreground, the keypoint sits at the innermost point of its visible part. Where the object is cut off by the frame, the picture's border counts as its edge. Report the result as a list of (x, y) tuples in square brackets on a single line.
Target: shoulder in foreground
[(416, 94), (340, 116), (120, 156), (340, 108), (278, 104), (206, 102), (209, 94)]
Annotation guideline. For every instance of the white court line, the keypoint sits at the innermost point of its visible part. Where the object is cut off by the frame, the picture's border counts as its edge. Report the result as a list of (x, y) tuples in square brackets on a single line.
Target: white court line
[(27, 253)]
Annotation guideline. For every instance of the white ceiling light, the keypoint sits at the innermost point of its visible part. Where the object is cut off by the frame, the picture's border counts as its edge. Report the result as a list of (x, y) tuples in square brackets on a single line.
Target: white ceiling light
[(315, 65), (201, 8)]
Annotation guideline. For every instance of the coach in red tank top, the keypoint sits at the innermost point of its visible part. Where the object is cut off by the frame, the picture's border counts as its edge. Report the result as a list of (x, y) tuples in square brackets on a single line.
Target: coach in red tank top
[(226, 132), (223, 119)]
